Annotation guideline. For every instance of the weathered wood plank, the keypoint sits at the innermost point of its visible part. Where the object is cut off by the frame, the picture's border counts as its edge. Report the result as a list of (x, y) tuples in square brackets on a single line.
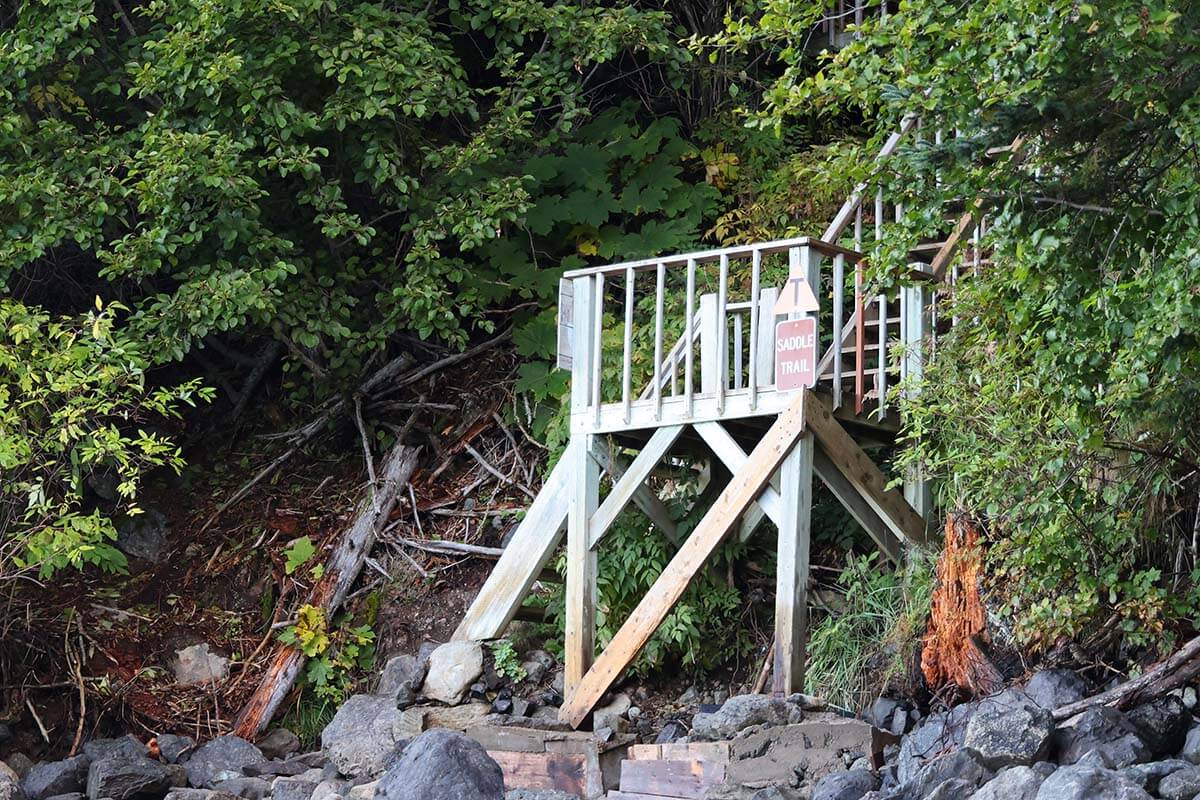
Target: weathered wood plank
[(565, 772), (674, 580), (627, 481), (862, 473), (791, 572), (681, 779), (579, 644)]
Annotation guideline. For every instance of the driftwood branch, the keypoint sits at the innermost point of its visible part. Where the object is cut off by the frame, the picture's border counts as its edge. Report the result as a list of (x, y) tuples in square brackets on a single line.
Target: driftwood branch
[(1171, 673), (341, 570)]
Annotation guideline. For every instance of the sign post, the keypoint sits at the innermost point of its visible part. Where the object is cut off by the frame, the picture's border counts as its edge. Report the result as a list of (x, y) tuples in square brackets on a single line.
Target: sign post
[(795, 354)]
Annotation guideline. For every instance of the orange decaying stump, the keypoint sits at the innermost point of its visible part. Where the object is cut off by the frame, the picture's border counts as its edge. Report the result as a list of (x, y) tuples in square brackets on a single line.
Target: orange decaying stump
[(951, 655)]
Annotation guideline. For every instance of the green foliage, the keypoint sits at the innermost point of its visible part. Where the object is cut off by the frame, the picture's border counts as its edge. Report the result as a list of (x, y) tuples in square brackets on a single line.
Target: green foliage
[(508, 663), (75, 406), (1062, 408), (333, 654), (298, 553), (854, 653)]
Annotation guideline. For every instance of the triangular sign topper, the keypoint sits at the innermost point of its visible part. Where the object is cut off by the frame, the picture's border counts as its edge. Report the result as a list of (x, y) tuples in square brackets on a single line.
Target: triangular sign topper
[(796, 298)]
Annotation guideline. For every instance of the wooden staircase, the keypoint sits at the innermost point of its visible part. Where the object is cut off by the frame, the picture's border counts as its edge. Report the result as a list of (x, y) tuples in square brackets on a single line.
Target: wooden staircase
[(711, 393)]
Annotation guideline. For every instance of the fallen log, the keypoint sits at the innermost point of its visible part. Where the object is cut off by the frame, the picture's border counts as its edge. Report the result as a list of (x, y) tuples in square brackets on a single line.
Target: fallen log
[(341, 570), (1171, 673)]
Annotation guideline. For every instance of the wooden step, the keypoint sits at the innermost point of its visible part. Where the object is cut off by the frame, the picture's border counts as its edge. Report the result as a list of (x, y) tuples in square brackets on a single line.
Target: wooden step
[(688, 780)]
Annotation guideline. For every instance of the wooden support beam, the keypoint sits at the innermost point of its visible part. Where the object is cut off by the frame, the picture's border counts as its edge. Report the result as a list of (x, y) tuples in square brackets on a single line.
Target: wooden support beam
[(629, 484), (791, 572), (863, 514), (708, 535), (532, 545), (858, 468), (579, 646), (734, 457)]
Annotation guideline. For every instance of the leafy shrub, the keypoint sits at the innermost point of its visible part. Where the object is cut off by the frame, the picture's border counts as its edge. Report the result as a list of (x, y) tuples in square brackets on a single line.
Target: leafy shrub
[(508, 663), (75, 408)]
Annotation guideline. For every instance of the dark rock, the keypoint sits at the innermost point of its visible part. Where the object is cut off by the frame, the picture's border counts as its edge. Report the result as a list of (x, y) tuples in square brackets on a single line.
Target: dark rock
[(122, 778), (293, 788), (1183, 784), (275, 769), (143, 536), (402, 678), (1104, 729), (900, 723), (1006, 736), (673, 731), (198, 794), (1052, 688), (1148, 775), (19, 763), (850, 785), (124, 747), (363, 734), (1162, 723), (173, 748), (881, 712), (502, 705), (1014, 783), (538, 794), (5, 732), (1075, 782), (177, 776), (279, 743), (249, 788), (942, 733), (442, 765), (56, 777), (68, 796), (1096, 758), (953, 789), (537, 665), (742, 711), (520, 707), (221, 759), (962, 764)]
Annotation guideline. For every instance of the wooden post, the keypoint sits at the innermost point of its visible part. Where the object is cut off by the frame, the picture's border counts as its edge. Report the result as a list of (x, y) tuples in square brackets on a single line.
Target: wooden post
[(579, 647), (791, 581)]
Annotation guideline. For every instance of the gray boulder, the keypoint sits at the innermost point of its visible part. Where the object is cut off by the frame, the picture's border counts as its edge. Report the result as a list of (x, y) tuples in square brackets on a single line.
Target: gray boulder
[(121, 778), (69, 796), (402, 678), (56, 777), (453, 667), (293, 788), (279, 743), (850, 785), (221, 759), (249, 788), (10, 783), (196, 665), (1191, 745), (953, 789), (124, 747), (538, 794), (19, 763), (962, 764), (537, 665), (143, 536), (1014, 783), (612, 715), (1162, 724), (173, 748), (1076, 782), (361, 737), (1183, 784), (1052, 688), (1104, 729), (1009, 736), (442, 765), (199, 794), (941, 733), (1148, 775), (742, 711)]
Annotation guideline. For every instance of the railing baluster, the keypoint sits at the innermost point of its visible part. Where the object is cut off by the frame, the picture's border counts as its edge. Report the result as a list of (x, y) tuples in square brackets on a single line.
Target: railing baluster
[(860, 337), (881, 373), (839, 278), (659, 293), (627, 350), (737, 351), (597, 340), (755, 269), (722, 336), (688, 366)]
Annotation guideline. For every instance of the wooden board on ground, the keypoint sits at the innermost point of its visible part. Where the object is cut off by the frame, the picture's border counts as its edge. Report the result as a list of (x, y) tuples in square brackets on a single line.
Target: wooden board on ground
[(564, 772), (679, 779)]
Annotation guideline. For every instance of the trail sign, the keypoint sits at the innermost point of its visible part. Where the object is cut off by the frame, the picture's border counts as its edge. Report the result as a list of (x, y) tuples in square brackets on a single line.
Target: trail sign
[(796, 297), (795, 354)]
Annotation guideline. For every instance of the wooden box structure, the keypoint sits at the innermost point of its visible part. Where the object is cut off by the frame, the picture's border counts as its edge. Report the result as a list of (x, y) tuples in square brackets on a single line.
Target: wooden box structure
[(674, 356)]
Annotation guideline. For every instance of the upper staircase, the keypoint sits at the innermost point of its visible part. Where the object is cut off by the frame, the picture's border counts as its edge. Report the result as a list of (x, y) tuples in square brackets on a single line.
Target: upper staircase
[(676, 355)]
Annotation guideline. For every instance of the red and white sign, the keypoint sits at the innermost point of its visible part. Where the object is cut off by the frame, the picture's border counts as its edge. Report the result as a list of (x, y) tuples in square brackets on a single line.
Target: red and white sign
[(795, 354)]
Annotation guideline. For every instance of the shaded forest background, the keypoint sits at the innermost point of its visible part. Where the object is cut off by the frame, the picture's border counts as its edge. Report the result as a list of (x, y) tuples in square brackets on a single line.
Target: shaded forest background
[(219, 218)]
